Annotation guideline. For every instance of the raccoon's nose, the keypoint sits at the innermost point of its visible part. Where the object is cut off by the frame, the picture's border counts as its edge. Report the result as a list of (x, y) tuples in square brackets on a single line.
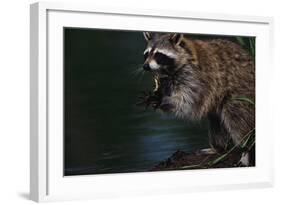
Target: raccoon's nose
[(146, 67)]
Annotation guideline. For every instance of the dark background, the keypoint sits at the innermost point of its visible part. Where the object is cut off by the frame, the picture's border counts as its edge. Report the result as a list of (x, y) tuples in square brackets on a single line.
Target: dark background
[(104, 132)]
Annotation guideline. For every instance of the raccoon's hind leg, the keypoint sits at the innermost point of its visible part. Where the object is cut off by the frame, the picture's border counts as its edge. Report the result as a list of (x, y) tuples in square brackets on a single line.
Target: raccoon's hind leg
[(219, 138), (239, 118)]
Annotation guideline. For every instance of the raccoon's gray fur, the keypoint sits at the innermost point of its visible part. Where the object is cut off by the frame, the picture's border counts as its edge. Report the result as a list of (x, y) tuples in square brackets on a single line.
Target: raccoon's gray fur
[(197, 78)]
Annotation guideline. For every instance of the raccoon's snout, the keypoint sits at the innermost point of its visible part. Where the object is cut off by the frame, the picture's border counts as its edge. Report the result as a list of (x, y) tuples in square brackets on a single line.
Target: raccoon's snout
[(146, 67)]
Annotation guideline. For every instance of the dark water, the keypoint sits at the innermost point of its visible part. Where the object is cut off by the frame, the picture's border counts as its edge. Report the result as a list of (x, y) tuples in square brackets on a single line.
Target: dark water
[(104, 131)]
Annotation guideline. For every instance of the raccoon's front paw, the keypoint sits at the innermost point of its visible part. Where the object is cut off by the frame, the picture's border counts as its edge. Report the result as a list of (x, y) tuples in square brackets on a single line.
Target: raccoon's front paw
[(147, 99), (167, 104)]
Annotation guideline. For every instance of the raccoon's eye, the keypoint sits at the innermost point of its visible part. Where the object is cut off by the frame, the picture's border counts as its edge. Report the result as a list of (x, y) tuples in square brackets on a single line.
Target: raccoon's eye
[(145, 55), (162, 59)]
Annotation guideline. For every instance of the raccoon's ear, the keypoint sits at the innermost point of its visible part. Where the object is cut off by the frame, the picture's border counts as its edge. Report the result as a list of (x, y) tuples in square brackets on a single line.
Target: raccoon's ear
[(147, 36), (176, 38)]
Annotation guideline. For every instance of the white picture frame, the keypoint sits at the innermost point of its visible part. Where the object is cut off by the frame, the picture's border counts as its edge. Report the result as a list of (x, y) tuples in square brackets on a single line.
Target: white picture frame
[(47, 182)]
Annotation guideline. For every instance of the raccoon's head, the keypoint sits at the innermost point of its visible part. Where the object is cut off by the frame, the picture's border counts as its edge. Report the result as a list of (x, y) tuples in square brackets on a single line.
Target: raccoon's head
[(172, 64), (162, 52)]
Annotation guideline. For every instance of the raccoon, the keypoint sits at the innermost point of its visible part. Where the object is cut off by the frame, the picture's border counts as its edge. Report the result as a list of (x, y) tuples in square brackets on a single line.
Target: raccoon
[(202, 78)]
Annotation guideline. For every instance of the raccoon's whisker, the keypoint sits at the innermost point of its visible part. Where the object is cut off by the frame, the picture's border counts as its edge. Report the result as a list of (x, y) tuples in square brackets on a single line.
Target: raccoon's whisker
[(142, 74), (137, 73)]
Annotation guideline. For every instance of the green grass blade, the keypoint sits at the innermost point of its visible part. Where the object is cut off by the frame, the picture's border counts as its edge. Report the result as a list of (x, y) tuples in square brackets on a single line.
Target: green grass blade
[(218, 159), (245, 99), (190, 166), (240, 40), (252, 46)]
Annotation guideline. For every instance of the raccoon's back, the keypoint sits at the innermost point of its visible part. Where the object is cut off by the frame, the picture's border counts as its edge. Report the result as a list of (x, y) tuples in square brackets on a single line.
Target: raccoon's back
[(231, 64)]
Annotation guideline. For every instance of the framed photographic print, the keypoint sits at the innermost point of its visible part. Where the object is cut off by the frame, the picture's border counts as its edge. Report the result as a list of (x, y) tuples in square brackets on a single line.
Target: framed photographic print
[(127, 102)]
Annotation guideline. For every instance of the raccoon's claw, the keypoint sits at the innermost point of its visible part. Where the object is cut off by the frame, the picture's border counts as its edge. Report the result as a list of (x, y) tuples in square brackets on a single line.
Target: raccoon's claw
[(143, 100), (148, 99)]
